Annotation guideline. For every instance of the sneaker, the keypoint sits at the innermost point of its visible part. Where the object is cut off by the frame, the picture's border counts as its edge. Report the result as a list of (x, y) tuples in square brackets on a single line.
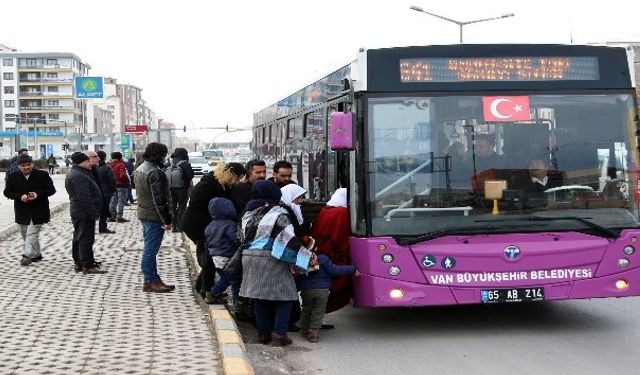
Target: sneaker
[(112, 219), (25, 261), (37, 259), (107, 231), (122, 220), (77, 268)]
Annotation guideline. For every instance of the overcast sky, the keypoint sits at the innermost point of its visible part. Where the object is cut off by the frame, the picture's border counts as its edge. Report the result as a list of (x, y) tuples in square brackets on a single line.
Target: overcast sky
[(212, 63)]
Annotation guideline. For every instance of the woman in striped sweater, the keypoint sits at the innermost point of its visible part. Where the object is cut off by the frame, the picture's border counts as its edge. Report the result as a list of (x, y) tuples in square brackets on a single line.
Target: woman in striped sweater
[(271, 252)]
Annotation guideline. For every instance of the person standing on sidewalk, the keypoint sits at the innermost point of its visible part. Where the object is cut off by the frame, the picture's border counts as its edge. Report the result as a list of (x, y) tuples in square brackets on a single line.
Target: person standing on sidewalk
[(180, 176), (121, 178), (85, 201), (30, 189), (103, 177), (154, 202), (130, 168)]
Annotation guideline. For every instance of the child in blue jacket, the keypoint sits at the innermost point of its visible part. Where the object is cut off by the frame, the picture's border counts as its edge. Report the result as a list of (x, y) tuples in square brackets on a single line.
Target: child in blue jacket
[(314, 290), (222, 242)]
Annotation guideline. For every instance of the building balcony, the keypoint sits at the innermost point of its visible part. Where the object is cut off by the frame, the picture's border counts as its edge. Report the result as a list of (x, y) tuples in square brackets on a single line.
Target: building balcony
[(40, 80), (47, 108), (45, 94), (45, 67)]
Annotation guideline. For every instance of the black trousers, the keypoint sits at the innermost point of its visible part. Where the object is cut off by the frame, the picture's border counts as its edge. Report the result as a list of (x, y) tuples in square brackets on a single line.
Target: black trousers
[(104, 213), (84, 234), (206, 278), (179, 199)]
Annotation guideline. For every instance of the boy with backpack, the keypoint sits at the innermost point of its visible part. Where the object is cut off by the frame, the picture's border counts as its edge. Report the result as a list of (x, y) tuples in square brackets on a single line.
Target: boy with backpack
[(180, 175)]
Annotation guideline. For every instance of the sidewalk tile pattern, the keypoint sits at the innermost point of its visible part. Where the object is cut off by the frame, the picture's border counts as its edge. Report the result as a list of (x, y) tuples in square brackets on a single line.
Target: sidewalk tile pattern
[(56, 321)]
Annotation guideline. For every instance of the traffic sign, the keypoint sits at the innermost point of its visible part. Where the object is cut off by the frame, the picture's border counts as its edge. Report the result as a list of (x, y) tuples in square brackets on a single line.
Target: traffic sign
[(135, 129), (89, 88)]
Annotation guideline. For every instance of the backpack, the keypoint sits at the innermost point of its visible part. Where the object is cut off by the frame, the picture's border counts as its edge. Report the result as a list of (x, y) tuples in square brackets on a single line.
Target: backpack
[(175, 175)]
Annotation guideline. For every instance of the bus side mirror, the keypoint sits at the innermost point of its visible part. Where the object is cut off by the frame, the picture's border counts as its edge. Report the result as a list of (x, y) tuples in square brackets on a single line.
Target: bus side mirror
[(341, 131)]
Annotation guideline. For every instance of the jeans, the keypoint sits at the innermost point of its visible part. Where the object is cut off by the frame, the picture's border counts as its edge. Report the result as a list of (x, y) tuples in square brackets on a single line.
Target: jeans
[(116, 207), (179, 199), (314, 305), (152, 232), (84, 235), (31, 236), (224, 282), (272, 316)]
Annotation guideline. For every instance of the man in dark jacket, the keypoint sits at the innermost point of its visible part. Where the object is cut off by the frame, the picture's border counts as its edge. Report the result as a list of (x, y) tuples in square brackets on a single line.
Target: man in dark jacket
[(129, 164), (241, 193), (154, 202), (282, 172), (180, 189), (30, 189), (103, 177), (85, 205)]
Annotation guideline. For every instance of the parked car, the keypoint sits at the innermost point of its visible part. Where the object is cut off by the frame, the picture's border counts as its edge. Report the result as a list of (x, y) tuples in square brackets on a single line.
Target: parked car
[(199, 165)]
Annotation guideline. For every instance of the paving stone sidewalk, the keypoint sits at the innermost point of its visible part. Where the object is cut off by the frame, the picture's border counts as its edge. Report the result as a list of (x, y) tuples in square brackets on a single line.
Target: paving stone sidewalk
[(56, 321)]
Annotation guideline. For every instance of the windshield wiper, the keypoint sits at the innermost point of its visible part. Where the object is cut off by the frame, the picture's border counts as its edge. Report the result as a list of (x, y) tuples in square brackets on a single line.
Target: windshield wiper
[(402, 240), (606, 231)]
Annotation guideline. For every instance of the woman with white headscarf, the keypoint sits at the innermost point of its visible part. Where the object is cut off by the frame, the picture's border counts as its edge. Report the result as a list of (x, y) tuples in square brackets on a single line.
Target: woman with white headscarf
[(292, 197)]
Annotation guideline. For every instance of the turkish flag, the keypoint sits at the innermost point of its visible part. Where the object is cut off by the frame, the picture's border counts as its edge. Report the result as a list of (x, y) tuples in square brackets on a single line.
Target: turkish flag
[(506, 108)]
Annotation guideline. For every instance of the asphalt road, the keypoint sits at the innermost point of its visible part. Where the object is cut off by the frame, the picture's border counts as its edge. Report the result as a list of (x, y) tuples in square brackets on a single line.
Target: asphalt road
[(600, 336)]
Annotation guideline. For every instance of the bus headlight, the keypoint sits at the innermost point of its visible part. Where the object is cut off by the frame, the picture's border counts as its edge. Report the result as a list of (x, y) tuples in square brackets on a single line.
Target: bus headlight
[(387, 258), (622, 263), (394, 270), (622, 284), (396, 293), (629, 250)]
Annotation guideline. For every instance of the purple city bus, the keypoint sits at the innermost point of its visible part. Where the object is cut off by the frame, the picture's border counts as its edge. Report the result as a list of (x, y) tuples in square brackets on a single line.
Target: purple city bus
[(476, 173)]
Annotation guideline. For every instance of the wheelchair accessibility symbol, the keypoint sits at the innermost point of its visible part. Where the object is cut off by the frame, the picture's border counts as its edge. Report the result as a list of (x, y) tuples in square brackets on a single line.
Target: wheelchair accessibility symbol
[(429, 261)]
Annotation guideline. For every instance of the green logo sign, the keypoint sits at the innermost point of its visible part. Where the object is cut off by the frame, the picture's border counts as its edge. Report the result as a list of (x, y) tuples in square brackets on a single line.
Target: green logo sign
[(89, 85)]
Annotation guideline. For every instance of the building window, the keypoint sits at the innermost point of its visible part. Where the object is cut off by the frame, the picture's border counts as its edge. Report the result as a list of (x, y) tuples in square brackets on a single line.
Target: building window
[(9, 103), (7, 62), (52, 75), (9, 89), (52, 61), (7, 76), (53, 102), (52, 88), (54, 116), (31, 62)]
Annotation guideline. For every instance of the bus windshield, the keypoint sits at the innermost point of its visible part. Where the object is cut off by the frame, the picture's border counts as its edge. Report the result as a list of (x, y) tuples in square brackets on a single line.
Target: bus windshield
[(494, 163)]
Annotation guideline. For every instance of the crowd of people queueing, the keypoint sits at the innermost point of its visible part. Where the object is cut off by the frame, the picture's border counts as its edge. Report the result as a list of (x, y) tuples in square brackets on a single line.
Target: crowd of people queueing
[(235, 215)]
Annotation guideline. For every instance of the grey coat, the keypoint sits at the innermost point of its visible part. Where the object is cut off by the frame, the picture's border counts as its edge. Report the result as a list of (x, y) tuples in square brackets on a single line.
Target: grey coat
[(265, 277), (152, 191)]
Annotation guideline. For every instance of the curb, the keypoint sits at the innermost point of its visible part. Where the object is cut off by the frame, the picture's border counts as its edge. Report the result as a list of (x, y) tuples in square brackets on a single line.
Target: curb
[(13, 228), (232, 349)]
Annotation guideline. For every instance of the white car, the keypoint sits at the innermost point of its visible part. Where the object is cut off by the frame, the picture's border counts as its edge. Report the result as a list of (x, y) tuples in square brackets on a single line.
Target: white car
[(199, 165)]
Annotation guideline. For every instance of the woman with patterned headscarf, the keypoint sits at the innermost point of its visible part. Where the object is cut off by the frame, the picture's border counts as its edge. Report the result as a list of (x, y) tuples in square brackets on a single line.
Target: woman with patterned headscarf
[(271, 251)]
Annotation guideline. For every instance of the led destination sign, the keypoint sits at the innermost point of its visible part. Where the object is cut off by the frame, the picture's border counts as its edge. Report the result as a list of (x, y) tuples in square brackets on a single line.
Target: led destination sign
[(499, 69)]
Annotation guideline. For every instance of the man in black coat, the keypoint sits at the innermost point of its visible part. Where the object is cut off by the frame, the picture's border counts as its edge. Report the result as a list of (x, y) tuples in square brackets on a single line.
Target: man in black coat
[(85, 201), (30, 189), (103, 177)]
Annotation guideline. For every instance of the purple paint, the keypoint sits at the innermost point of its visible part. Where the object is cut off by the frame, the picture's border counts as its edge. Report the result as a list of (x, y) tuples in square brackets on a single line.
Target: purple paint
[(567, 265), (341, 131)]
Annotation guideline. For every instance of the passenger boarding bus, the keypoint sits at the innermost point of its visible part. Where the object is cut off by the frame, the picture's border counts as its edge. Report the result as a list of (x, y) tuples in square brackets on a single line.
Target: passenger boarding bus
[(476, 173)]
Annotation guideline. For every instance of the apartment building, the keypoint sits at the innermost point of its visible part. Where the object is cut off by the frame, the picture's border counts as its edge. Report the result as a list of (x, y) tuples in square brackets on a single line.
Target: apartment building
[(38, 89)]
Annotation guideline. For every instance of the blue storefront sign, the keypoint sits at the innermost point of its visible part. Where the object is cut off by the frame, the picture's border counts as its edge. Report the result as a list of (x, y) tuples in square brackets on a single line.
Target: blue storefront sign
[(31, 133), (125, 141), (89, 88)]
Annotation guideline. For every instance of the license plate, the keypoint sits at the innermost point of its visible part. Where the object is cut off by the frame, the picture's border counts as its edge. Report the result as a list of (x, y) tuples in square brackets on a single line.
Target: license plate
[(512, 295)]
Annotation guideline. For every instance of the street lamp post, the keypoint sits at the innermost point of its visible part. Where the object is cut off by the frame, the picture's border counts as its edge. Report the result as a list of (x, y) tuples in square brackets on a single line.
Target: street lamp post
[(460, 23)]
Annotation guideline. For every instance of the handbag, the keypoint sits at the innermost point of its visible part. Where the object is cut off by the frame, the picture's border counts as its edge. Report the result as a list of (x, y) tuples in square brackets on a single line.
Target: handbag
[(233, 268)]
